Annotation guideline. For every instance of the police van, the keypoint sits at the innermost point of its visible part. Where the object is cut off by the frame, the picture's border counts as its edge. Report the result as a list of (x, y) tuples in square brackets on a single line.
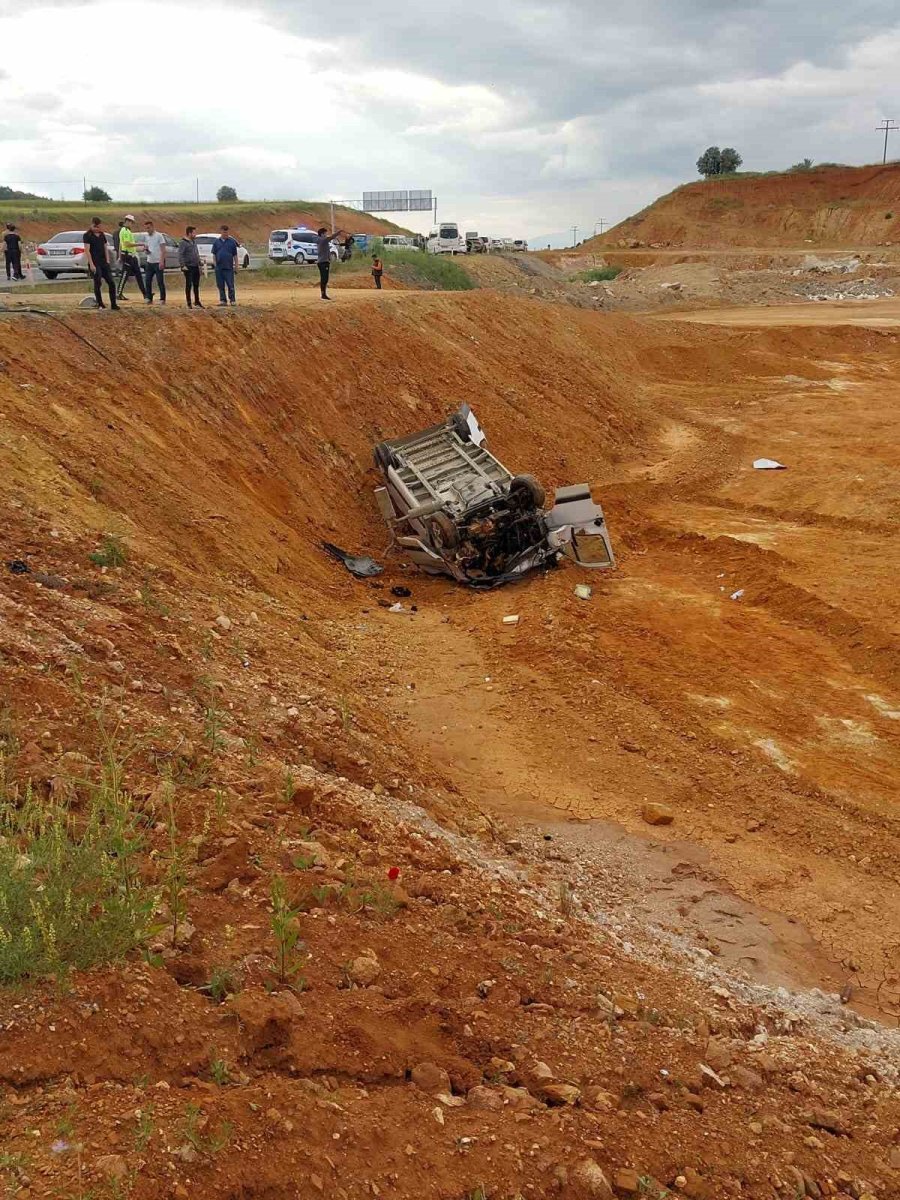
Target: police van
[(296, 245)]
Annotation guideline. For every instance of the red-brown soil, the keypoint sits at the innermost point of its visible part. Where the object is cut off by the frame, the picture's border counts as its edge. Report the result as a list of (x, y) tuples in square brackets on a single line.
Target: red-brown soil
[(501, 770), (827, 206)]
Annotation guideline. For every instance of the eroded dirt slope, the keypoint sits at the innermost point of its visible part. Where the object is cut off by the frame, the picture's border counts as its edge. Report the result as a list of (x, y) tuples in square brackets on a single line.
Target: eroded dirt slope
[(828, 206), (500, 992)]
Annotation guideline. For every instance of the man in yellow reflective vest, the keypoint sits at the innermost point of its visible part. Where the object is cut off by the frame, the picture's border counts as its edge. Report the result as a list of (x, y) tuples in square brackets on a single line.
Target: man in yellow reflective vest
[(128, 256)]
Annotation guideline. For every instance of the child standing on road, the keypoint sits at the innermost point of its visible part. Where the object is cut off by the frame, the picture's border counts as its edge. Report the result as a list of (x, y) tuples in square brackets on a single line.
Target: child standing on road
[(377, 270)]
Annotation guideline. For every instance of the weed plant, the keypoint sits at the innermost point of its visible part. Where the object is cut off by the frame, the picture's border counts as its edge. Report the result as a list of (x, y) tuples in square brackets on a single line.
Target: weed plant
[(71, 895)]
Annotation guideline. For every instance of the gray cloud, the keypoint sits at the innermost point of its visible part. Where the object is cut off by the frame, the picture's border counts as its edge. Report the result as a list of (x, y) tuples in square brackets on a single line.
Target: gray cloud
[(570, 103)]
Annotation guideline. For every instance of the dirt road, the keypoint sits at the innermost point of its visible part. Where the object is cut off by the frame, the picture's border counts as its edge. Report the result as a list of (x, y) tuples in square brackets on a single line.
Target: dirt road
[(876, 314)]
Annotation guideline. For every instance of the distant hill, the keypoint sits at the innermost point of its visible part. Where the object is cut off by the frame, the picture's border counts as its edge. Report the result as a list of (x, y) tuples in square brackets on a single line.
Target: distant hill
[(8, 193), (825, 206), (250, 220)]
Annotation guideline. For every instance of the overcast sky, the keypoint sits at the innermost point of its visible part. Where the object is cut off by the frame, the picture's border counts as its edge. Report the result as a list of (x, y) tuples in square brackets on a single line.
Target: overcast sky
[(524, 118)]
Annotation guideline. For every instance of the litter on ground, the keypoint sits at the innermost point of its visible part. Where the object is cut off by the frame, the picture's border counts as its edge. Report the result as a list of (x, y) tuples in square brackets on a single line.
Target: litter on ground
[(361, 566), (583, 591), (768, 464)]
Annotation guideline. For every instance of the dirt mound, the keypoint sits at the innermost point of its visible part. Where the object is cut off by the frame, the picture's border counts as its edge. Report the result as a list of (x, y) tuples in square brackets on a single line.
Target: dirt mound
[(464, 985), (251, 221), (827, 206)]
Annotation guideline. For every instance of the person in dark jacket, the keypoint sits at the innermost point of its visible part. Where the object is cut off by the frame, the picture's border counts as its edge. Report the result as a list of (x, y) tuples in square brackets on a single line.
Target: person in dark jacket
[(377, 270), (323, 258), (225, 252), (189, 261), (98, 263), (12, 252)]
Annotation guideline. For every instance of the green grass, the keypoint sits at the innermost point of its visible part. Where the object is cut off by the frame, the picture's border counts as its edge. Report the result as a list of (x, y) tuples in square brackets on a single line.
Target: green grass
[(598, 274), (438, 271), (71, 895), (415, 268)]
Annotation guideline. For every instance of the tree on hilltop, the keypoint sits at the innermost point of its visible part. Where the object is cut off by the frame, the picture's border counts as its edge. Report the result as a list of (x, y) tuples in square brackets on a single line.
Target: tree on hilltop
[(96, 195), (714, 161), (226, 193), (804, 165)]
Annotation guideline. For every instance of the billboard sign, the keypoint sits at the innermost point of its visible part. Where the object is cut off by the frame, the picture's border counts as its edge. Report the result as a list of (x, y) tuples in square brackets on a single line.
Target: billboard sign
[(403, 201)]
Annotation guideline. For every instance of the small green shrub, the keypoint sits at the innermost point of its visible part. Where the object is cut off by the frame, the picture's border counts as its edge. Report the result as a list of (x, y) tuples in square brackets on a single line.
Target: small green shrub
[(221, 985), (110, 553), (71, 894), (289, 948), (599, 274)]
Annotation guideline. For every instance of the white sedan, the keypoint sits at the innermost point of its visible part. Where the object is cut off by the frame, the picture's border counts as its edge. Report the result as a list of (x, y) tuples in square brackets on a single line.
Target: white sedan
[(64, 254), (205, 245)]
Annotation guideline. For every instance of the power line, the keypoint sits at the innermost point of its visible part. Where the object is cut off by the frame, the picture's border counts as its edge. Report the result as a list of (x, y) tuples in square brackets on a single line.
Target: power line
[(888, 125), (601, 223)]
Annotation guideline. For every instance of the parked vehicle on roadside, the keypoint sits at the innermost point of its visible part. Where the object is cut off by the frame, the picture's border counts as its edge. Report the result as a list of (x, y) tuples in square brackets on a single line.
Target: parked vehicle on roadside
[(398, 241), (454, 509), (204, 246), (446, 239), (520, 245), (297, 246), (64, 254), (475, 244), (171, 251)]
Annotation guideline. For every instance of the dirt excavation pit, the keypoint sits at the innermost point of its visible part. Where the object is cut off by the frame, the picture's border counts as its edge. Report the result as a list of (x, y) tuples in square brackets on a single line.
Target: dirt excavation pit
[(494, 977)]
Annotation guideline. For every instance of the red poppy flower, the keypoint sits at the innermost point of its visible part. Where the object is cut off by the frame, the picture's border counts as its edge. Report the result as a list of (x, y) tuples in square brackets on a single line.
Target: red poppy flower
[(393, 873)]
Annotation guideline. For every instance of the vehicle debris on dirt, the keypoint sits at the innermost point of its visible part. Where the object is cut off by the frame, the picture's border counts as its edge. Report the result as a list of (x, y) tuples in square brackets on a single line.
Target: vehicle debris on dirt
[(361, 566), (458, 511)]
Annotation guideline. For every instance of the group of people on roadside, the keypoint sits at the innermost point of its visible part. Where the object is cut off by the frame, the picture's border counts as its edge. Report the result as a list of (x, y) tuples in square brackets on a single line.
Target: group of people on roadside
[(126, 249)]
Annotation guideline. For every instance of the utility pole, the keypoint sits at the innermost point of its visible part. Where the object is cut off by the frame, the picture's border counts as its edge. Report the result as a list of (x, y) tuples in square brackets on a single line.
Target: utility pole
[(198, 188), (84, 182), (332, 216), (601, 223), (574, 236), (888, 125)]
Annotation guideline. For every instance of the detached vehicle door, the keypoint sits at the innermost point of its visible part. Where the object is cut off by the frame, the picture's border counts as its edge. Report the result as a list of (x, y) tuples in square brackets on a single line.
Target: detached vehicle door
[(576, 525)]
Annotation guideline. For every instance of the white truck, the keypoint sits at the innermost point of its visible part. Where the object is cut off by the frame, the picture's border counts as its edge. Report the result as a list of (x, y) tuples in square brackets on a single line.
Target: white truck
[(446, 239)]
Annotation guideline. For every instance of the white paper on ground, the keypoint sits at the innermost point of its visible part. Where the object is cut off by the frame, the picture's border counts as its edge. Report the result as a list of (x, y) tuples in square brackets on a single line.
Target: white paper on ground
[(768, 464)]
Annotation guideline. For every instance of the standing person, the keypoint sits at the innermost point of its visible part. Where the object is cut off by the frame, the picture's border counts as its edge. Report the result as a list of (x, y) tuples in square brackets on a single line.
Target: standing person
[(156, 262), (98, 263), (323, 258), (377, 270), (128, 253), (12, 252), (225, 252), (189, 261)]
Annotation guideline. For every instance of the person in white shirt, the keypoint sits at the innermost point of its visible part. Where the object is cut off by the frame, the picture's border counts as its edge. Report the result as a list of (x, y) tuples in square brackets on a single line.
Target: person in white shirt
[(156, 262)]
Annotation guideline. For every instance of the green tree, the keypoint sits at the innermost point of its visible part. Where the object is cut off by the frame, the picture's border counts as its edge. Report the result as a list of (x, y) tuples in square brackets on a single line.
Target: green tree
[(96, 195), (714, 161), (804, 165), (226, 193), (710, 162)]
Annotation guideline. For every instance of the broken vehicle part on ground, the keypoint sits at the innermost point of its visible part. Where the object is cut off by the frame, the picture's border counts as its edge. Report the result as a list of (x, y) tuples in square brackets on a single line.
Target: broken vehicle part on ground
[(456, 510)]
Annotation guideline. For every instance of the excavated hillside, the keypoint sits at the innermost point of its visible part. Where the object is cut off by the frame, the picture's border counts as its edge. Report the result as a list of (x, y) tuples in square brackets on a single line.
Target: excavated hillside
[(252, 221), (412, 934), (831, 207)]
